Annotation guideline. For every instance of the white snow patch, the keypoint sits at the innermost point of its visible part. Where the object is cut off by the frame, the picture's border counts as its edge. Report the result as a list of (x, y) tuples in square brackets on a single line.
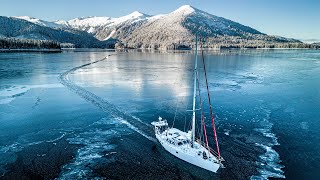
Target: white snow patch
[(91, 23), (6, 100), (39, 21), (9, 94), (110, 35), (185, 9)]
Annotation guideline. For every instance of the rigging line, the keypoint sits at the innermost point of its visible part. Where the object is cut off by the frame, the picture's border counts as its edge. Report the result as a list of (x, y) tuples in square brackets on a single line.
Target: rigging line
[(203, 126), (190, 125), (211, 113), (175, 114), (200, 100), (185, 123), (185, 117), (176, 83)]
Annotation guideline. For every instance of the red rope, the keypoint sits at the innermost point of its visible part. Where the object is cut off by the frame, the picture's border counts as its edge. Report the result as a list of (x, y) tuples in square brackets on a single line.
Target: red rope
[(211, 114), (202, 115)]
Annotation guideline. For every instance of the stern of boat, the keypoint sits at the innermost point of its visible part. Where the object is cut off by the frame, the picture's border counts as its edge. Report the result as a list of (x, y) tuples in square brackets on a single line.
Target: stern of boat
[(160, 125)]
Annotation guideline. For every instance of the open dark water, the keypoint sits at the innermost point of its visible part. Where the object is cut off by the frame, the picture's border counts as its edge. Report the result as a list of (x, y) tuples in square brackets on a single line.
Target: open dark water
[(66, 116)]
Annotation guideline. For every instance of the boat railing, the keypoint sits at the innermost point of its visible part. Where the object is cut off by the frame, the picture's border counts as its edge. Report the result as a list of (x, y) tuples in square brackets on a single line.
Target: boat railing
[(213, 152)]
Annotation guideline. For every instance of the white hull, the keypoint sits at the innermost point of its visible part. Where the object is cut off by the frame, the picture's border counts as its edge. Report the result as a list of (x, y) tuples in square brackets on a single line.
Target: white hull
[(190, 158), (178, 144)]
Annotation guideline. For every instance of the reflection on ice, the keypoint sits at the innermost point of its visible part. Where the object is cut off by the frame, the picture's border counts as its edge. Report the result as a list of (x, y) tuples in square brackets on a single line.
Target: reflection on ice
[(138, 74)]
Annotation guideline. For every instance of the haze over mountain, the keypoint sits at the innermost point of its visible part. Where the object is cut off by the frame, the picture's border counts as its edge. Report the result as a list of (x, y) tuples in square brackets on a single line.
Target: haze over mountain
[(137, 30)]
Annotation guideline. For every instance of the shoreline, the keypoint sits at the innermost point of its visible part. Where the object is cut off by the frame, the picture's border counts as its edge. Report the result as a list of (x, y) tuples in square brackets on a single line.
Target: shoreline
[(30, 50), (142, 49)]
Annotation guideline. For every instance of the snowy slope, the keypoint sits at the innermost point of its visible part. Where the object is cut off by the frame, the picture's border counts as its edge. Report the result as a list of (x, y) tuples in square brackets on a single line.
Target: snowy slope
[(178, 28), (19, 28), (211, 25), (102, 21), (40, 22), (103, 27), (161, 31)]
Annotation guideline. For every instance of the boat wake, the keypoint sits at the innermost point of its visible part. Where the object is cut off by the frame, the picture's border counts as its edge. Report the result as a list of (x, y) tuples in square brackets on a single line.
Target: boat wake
[(132, 122)]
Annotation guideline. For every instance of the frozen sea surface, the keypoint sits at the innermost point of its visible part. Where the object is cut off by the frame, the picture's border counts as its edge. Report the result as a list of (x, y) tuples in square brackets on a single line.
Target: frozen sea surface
[(74, 115)]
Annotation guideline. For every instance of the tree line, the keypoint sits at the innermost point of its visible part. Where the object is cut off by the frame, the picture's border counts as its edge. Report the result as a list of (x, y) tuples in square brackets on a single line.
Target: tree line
[(13, 43)]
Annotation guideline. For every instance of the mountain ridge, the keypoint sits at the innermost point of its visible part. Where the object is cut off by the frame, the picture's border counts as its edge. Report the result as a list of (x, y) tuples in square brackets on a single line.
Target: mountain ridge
[(173, 30), (22, 29)]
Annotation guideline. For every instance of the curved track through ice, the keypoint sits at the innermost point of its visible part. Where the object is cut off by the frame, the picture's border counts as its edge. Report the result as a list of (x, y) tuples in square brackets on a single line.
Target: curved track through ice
[(131, 121)]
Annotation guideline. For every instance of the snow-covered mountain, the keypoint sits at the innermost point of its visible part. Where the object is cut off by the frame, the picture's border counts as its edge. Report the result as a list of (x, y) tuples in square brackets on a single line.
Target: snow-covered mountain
[(178, 28), (103, 27), (103, 21), (23, 29), (173, 30), (40, 22)]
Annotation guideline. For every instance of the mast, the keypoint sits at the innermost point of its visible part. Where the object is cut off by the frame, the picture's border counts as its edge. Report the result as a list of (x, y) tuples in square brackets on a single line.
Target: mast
[(194, 93)]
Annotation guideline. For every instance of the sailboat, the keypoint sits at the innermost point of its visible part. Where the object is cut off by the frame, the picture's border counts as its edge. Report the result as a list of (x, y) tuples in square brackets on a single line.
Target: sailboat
[(185, 145)]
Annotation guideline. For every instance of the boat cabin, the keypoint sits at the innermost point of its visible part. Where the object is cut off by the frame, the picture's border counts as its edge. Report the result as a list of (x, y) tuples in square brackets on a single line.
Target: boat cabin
[(174, 137)]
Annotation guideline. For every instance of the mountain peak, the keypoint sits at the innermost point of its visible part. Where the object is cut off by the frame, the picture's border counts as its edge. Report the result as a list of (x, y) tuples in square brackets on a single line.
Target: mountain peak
[(20, 17), (27, 18), (185, 9), (136, 14)]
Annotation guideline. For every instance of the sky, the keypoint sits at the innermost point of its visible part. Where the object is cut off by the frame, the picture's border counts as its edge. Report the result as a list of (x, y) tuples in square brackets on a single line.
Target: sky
[(298, 19)]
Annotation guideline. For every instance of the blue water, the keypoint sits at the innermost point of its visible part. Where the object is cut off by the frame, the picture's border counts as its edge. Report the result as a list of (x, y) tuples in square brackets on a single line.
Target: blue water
[(66, 116)]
